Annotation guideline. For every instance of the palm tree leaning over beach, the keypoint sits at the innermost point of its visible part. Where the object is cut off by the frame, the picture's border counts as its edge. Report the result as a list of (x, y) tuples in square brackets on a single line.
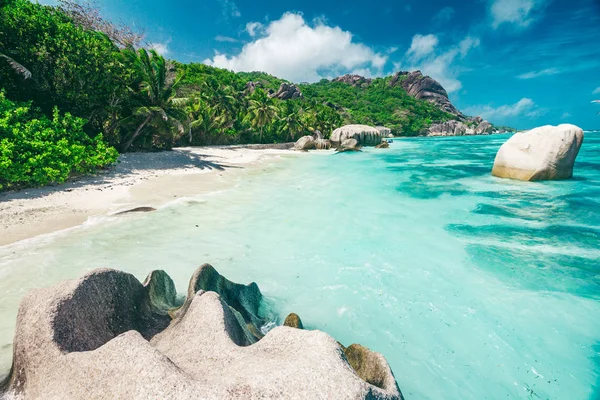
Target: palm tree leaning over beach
[(154, 91)]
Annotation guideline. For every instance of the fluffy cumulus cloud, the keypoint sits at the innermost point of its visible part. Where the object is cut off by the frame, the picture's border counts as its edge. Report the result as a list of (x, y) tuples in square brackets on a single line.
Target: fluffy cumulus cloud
[(524, 107), (537, 74), (518, 12), (422, 45), (291, 48), (441, 65)]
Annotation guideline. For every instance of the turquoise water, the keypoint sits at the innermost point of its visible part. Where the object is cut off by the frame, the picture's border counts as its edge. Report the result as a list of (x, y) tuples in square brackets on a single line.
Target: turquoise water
[(473, 287)]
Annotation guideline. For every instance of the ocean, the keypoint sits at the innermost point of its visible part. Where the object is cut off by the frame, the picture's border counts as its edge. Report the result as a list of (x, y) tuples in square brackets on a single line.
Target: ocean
[(472, 287)]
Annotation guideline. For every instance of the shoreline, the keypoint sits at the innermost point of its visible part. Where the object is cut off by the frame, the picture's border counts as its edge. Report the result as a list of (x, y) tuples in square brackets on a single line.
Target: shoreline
[(138, 180)]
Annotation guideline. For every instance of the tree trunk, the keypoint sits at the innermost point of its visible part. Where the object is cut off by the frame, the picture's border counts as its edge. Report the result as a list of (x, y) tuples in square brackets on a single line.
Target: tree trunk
[(137, 132), (260, 138)]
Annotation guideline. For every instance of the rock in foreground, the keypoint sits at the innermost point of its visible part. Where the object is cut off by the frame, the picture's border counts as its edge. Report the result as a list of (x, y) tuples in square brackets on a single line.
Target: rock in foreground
[(544, 153), (108, 336)]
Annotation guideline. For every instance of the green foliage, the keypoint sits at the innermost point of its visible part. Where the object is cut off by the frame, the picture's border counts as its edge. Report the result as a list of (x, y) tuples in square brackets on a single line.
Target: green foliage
[(77, 70), (377, 104), (36, 150)]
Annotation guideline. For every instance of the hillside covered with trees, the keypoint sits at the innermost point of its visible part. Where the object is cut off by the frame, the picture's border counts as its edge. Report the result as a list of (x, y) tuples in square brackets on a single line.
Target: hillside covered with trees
[(75, 87)]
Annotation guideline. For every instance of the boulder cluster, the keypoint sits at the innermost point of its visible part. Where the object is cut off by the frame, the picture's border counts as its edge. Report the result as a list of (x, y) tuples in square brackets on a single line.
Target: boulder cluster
[(109, 336), (347, 138), (474, 126)]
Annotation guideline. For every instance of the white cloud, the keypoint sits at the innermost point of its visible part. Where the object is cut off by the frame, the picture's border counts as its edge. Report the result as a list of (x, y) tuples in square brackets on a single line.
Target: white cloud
[(513, 11), (161, 48), (525, 106), (596, 91), (292, 49), (536, 74), (254, 28), (443, 66), (566, 115), (422, 45), (221, 38)]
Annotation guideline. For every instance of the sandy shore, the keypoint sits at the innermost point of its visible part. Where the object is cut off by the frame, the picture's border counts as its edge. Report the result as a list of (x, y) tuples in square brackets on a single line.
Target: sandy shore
[(139, 179)]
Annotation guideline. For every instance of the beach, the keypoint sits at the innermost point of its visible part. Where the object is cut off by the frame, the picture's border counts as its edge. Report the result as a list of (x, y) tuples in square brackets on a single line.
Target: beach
[(137, 180)]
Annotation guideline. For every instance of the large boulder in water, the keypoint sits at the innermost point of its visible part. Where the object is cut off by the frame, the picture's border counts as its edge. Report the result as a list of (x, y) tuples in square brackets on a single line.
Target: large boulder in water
[(108, 336), (365, 135), (543, 153)]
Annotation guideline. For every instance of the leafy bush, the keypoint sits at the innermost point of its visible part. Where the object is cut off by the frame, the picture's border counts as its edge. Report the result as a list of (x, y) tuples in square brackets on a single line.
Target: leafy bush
[(36, 150)]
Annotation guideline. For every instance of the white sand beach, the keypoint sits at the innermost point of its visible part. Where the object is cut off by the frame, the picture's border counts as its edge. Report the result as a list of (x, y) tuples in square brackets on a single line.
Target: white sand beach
[(139, 179)]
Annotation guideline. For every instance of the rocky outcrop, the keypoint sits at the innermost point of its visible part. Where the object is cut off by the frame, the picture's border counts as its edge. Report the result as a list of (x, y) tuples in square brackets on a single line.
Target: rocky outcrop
[(287, 91), (484, 128), (383, 145), (305, 143), (425, 88), (365, 135), (544, 153), (251, 86), (107, 336), (448, 128), (354, 80)]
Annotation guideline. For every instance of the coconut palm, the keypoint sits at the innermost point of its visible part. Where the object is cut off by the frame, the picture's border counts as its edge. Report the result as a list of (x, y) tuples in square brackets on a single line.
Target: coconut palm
[(16, 66), (154, 91), (291, 121), (261, 111)]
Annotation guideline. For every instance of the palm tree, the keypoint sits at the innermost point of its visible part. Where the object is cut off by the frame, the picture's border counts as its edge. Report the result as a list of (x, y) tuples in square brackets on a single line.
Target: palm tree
[(291, 121), (154, 88), (261, 111), (204, 118), (16, 66)]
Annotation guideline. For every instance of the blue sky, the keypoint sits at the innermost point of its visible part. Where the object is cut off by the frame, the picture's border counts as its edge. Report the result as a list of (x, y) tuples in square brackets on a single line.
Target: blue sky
[(522, 63)]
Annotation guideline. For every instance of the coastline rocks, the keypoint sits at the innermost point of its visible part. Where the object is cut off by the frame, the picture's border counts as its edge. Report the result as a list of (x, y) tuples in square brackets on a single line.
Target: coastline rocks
[(425, 88), (365, 135), (322, 144), (348, 145), (544, 153), (287, 91), (484, 128), (106, 336), (448, 128), (385, 132), (383, 145), (305, 143)]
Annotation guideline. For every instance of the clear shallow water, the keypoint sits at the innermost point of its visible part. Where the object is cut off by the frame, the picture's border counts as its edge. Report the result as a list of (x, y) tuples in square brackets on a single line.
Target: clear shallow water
[(473, 287)]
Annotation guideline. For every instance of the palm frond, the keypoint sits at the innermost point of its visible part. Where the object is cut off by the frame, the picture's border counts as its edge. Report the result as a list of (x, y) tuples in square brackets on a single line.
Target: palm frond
[(16, 66)]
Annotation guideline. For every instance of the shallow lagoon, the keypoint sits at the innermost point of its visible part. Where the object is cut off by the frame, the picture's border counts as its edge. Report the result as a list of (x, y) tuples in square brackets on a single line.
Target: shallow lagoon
[(473, 287)]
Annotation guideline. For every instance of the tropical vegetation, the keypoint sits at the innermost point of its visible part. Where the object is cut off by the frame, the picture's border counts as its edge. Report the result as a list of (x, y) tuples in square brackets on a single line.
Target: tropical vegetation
[(76, 87)]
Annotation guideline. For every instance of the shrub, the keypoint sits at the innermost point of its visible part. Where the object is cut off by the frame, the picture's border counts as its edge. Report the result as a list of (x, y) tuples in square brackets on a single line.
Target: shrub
[(36, 150)]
